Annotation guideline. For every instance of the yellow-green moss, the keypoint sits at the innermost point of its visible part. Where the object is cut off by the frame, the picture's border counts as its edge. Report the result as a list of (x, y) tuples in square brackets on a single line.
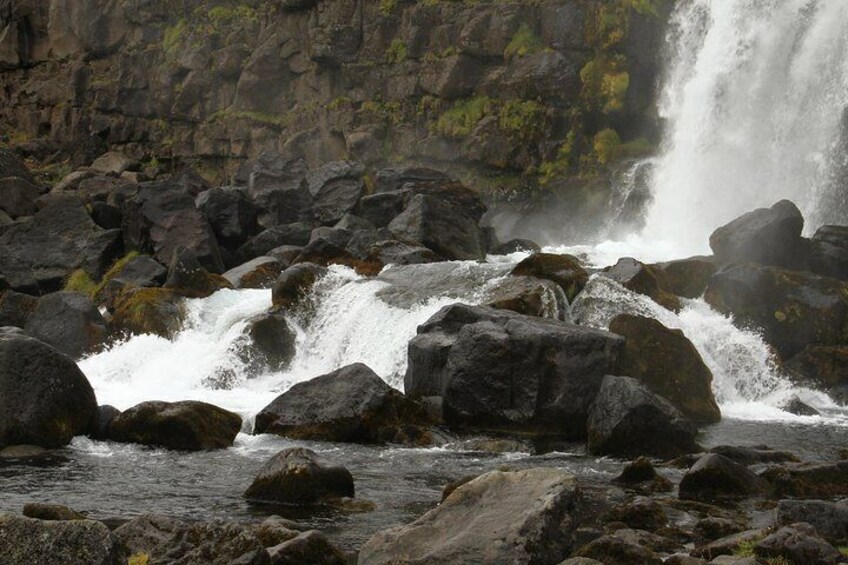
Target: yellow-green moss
[(174, 37), (397, 52), (460, 120), (114, 271), (387, 6), (606, 144), (605, 83), (80, 281), (522, 117), (524, 42), (139, 559)]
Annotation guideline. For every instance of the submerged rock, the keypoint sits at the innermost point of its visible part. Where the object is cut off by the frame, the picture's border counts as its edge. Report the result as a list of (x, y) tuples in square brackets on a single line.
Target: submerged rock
[(530, 296), (300, 476), (26, 541), (500, 517), (157, 311), (186, 425), (294, 283), (639, 277)]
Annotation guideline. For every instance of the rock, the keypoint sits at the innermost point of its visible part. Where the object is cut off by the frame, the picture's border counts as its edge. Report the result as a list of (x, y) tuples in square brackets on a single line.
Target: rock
[(106, 414), (270, 343), (138, 272), (564, 270), (395, 178), (643, 279), (300, 476), (686, 277), (16, 308), (187, 277), (231, 214), (143, 534), (441, 228), (752, 455), (256, 273), (796, 406), (799, 544), (50, 512), (580, 561), (667, 363), (734, 560), (381, 209), (829, 252), (161, 217), (26, 453), (106, 216), (156, 311), (69, 322), (713, 528), (351, 404), (792, 309), (18, 197), (830, 519), (641, 514), (820, 367), (275, 530), (113, 162), (619, 549), (278, 188), (394, 252), (353, 223), (336, 188), (809, 480), (515, 246), (715, 477), (297, 234), (324, 251), (45, 399), (530, 296), (501, 371), (186, 425), (641, 472), (37, 256), (294, 283), (25, 541), (500, 517), (308, 547), (768, 236), (729, 544), (628, 420)]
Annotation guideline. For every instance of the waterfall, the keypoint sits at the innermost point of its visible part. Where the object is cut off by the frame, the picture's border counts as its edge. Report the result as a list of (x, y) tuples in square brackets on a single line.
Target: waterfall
[(754, 103)]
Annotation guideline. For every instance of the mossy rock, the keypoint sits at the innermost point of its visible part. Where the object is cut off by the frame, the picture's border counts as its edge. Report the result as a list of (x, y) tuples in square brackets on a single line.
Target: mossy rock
[(564, 270), (156, 311)]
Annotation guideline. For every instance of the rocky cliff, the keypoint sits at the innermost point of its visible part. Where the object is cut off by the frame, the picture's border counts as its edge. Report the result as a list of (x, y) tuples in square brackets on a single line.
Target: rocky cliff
[(515, 98)]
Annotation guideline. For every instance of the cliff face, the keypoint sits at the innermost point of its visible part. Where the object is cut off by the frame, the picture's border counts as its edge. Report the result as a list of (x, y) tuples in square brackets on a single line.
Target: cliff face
[(510, 96)]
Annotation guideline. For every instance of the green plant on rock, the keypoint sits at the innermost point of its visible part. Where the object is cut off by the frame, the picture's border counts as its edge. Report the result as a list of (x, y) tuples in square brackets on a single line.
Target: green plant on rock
[(460, 120), (521, 117), (397, 52), (387, 6), (605, 83), (524, 42), (562, 163), (80, 281), (606, 145), (174, 38)]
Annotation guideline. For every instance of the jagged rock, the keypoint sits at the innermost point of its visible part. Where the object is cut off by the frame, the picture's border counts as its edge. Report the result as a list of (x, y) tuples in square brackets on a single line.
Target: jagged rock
[(394, 178), (809, 480), (829, 252), (530, 296), (45, 399), (50, 512), (278, 188), (68, 321), (639, 277), (830, 519), (394, 252), (641, 472), (25, 541), (16, 308), (18, 197), (618, 548), (187, 277), (667, 363), (686, 277), (336, 188), (297, 234), (308, 547), (536, 510), (501, 371), (641, 514), (351, 404), (300, 476), (294, 283), (37, 256), (144, 533), (752, 455), (106, 216), (514, 246), (113, 162), (231, 214), (768, 236), (729, 544), (353, 223), (791, 308), (138, 272), (715, 477), (821, 367), (628, 420), (186, 425), (269, 343), (256, 273), (799, 544), (157, 311), (380, 209), (798, 407), (564, 270), (712, 528)]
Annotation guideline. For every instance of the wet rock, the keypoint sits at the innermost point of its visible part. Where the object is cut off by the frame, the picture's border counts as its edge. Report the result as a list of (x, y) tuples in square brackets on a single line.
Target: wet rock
[(296, 234), (641, 514), (715, 477), (535, 509), (24, 541), (821, 367), (830, 519), (792, 309), (501, 371), (45, 399), (768, 236), (752, 455), (628, 420), (564, 270), (712, 528), (396, 178), (799, 544), (438, 226), (687, 278), (156, 311), (581, 561), (381, 209), (16, 308), (394, 252), (617, 548), (324, 251), (144, 533), (28, 453), (643, 279), (294, 283), (530, 296), (105, 415), (808, 480), (186, 425), (515, 246), (308, 547), (68, 321), (336, 188), (641, 472), (231, 214), (667, 363), (138, 272), (798, 407), (728, 545), (256, 273), (50, 512), (351, 404), (300, 476), (829, 252), (268, 343), (187, 277), (106, 216), (278, 188), (275, 530)]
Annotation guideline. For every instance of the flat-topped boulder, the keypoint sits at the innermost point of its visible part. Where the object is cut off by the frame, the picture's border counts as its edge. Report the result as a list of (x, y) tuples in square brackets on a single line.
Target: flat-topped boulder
[(26, 541)]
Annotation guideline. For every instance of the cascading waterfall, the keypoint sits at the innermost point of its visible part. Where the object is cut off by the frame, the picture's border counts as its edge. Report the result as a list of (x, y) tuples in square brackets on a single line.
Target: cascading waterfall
[(754, 100)]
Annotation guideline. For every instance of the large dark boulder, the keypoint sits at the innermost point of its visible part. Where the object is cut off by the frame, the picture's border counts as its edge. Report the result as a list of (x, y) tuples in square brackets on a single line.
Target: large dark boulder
[(138, 272), (16, 308), (799, 544), (822, 367), (294, 283), (644, 279), (37, 256), (829, 252), (628, 420), (186, 425), (395, 178), (564, 270), (686, 277), (68, 321), (792, 309), (380, 209), (298, 234), (231, 214), (501, 517), (667, 363), (161, 217), (336, 189), (300, 476), (830, 519), (529, 295), (278, 188), (27, 541), (187, 277), (808, 480), (268, 343), (18, 196), (308, 547), (156, 311), (768, 236), (438, 226), (501, 371), (256, 273), (715, 477), (45, 399), (351, 404)]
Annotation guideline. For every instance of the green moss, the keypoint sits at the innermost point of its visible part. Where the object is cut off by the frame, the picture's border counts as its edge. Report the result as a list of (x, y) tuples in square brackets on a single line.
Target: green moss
[(174, 37), (522, 117), (387, 6), (80, 281), (843, 549), (113, 272), (605, 83), (222, 17), (391, 113), (562, 163), (262, 118), (524, 42), (339, 103), (606, 145), (460, 120), (397, 52), (139, 559)]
